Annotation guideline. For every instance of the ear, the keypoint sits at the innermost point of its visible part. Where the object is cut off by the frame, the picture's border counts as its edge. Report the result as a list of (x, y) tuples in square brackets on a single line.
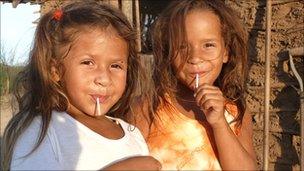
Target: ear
[(54, 72), (225, 56)]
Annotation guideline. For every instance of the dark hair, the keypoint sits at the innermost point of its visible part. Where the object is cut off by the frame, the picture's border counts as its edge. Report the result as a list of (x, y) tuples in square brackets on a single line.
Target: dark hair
[(169, 34), (37, 93)]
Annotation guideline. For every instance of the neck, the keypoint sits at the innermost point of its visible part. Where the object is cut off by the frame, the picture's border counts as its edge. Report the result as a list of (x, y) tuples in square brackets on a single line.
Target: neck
[(184, 93), (79, 115), (100, 124)]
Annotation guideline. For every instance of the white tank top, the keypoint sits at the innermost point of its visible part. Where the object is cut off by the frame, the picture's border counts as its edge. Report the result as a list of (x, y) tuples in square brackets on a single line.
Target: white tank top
[(70, 145)]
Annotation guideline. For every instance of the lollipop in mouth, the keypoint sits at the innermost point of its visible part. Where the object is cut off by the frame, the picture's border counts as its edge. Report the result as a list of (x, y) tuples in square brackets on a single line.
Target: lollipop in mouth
[(196, 81), (97, 110)]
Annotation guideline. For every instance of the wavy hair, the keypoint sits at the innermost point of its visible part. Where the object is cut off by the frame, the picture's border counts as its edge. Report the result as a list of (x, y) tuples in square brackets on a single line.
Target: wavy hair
[(169, 34), (38, 94)]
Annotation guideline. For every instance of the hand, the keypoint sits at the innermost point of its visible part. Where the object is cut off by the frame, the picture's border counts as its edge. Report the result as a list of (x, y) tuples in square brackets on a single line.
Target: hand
[(211, 101), (136, 163)]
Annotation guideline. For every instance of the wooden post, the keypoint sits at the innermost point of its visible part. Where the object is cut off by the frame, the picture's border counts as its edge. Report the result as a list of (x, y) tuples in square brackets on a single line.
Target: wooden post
[(137, 25), (114, 3), (267, 85), (127, 9)]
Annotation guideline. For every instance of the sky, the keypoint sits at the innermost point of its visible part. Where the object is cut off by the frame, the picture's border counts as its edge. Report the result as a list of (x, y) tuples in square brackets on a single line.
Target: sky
[(17, 31)]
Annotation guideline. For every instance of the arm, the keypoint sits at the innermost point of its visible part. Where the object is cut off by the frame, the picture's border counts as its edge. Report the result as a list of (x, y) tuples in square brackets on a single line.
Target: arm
[(135, 163), (234, 149), (231, 149)]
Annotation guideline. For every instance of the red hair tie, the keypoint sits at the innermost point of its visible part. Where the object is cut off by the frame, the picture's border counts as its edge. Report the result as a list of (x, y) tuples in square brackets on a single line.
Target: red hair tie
[(58, 15)]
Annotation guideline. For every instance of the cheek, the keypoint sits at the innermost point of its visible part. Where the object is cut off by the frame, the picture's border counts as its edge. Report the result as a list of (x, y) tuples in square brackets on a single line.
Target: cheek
[(178, 70), (119, 82), (216, 72), (124, 83), (183, 77), (74, 81)]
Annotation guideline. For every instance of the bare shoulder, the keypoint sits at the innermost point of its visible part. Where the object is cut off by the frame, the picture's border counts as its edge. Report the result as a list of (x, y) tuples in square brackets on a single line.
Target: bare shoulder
[(246, 134)]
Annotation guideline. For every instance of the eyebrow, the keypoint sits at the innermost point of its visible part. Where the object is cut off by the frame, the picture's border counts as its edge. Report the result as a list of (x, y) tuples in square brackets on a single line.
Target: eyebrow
[(207, 40), (121, 61)]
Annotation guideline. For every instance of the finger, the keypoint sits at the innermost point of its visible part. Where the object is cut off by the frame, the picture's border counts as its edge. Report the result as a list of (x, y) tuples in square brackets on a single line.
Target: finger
[(213, 105), (210, 96), (205, 88), (202, 93)]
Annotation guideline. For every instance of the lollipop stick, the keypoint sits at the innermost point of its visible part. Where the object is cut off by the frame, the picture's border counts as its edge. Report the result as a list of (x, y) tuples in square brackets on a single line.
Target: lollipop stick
[(196, 81), (97, 107)]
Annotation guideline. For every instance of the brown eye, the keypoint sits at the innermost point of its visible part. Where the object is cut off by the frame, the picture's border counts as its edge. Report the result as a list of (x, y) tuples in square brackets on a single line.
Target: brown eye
[(209, 45), (116, 66), (87, 62)]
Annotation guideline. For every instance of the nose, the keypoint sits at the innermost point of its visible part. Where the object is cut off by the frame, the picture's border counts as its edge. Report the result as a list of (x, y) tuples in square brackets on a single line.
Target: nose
[(194, 60), (195, 56), (102, 77)]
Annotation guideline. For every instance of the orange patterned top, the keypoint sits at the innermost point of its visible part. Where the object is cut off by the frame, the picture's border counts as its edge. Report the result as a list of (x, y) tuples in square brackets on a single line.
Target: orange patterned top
[(182, 143)]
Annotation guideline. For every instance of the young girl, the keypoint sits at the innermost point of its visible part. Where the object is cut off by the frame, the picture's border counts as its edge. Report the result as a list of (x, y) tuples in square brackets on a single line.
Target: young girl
[(200, 119), (83, 65)]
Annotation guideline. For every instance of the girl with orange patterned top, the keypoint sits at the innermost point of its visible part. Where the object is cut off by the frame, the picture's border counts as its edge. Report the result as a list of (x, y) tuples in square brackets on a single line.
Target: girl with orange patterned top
[(198, 118)]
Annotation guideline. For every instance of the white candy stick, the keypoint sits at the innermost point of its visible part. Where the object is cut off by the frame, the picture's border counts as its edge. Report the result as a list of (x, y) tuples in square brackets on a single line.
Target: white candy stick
[(97, 107), (196, 81)]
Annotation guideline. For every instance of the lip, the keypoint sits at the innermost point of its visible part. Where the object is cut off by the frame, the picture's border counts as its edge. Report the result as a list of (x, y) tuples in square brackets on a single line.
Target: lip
[(102, 98), (200, 74)]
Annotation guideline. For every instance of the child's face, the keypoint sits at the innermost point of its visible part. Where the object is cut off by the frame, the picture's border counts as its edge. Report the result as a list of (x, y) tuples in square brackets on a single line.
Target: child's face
[(207, 51), (96, 66)]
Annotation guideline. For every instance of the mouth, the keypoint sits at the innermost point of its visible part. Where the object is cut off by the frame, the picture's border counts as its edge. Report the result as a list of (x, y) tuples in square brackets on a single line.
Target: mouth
[(197, 74), (101, 98)]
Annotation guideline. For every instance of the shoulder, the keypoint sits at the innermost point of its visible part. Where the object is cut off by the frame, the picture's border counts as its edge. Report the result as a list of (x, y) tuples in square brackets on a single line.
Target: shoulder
[(27, 140), (246, 126), (235, 118), (128, 128), (25, 158), (135, 135), (246, 133)]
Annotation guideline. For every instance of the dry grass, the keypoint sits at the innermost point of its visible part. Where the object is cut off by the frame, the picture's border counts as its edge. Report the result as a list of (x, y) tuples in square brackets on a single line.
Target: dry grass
[(6, 110)]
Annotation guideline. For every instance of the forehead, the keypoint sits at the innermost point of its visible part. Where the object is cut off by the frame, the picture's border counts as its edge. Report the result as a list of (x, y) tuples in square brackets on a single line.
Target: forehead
[(202, 22), (104, 43), (100, 37), (76, 35), (99, 34)]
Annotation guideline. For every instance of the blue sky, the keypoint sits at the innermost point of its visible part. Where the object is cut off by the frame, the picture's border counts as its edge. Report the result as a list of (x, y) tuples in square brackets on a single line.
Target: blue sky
[(17, 31)]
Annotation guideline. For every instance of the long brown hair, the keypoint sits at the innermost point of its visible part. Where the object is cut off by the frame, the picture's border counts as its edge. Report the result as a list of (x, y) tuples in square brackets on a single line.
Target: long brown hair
[(169, 34), (37, 93)]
